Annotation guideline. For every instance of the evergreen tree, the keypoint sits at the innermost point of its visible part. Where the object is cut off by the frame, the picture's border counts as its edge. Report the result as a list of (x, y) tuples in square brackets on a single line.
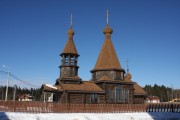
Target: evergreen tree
[(19, 91), (164, 93)]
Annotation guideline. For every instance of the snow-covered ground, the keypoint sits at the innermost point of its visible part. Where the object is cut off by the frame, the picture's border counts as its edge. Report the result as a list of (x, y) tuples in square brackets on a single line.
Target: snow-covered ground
[(90, 116)]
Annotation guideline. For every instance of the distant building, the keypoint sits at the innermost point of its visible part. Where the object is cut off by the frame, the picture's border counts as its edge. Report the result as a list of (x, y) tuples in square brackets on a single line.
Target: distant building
[(176, 100), (152, 99), (26, 97), (109, 83)]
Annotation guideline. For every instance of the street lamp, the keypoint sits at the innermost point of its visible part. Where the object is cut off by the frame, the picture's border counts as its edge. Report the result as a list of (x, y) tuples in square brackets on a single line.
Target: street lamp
[(7, 81)]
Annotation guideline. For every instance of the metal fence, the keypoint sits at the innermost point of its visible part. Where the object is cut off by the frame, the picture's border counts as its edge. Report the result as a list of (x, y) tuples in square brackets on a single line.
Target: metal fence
[(44, 107)]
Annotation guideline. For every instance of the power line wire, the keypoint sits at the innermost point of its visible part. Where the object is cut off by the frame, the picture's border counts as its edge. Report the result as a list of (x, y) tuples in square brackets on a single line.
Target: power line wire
[(18, 79), (3, 72)]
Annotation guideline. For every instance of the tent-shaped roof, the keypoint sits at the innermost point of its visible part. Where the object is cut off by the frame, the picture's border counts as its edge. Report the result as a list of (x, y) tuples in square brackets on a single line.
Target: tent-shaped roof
[(107, 58), (70, 47)]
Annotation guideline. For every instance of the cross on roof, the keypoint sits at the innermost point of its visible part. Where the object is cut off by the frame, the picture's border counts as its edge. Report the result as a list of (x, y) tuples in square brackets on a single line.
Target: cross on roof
[(107, 17), (71, 21)]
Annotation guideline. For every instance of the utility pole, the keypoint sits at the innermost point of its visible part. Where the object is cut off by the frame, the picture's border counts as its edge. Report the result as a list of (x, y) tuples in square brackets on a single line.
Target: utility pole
[(6, 97)]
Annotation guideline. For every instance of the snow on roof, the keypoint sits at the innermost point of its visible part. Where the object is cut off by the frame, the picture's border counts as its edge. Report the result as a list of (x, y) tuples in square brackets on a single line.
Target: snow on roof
[(51, 86)]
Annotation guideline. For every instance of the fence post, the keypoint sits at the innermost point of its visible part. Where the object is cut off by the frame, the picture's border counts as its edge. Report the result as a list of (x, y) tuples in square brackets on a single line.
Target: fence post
[(14, 107), (172, 109)]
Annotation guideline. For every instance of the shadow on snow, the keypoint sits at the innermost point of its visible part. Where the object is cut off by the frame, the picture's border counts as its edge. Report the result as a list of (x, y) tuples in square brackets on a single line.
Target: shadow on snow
[(164, 115), (3, 116)]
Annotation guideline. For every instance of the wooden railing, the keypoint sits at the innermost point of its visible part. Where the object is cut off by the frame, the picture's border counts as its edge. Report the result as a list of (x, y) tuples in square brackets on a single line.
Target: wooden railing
[(43, 107)]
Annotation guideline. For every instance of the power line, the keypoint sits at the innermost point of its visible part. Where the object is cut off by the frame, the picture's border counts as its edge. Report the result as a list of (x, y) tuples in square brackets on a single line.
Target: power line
[(18, 79), (3, 72), (23, 81)]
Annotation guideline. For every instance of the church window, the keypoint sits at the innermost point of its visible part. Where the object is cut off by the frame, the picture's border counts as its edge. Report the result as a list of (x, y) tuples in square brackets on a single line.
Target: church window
[(111, 95), (119, 93), (94, 98), (126, 92)]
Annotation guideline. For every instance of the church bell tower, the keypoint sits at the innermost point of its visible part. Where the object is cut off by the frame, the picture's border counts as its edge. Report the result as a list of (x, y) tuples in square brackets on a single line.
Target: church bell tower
[(69, 59)]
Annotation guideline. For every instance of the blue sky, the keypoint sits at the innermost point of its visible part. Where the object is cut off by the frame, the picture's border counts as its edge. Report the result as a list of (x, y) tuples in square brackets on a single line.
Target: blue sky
[(147, 32)]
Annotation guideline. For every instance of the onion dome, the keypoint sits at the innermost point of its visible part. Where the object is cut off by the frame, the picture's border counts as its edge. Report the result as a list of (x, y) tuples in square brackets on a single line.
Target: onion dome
[(108, 29), (70, 31), (128, 76)]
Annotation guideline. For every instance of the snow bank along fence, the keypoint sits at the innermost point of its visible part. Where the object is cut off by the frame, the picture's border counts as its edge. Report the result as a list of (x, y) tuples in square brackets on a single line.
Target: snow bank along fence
[(43, 107)]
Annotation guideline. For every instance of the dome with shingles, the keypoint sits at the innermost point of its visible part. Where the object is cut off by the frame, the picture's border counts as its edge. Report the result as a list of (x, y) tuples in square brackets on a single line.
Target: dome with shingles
[(108, 29), (128, 77), (71, 32)]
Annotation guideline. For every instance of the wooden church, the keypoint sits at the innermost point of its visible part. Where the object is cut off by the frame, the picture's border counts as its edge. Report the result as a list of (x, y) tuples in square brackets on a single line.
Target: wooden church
[(110, 84)]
